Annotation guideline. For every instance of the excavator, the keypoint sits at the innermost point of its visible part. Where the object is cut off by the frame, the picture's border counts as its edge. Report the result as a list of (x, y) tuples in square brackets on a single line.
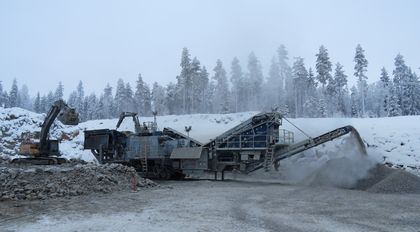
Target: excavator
[(46, 151)]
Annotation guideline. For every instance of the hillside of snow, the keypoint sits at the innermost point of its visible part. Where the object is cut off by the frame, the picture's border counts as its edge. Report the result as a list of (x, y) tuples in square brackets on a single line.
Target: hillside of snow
[(394, 140)]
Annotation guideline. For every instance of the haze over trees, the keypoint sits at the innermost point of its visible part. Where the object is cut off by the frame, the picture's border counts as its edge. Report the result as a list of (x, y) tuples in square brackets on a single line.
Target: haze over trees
[(288, 85)]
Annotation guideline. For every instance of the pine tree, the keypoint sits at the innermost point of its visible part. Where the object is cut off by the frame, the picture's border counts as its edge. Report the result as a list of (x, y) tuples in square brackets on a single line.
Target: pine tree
[(171, 99), (310, 107), (194, 98), (120, 97), (394, 107), (203, 89), (340, 80), (255, 76), (72, 101), (286, 78), (50, 100), (37, 103), (385, 92), (274, 87), (129, 98), (80, 96), (410, 88), (158, 99), (138, 95), (300, 76), (238, 91), (59, 91), (24, 98), (14, 100), (184, 84), (44, 104), (360, 69), (107, 102), (147, 96), (354, 103), (323, 67), (222, 88), (91, 107)]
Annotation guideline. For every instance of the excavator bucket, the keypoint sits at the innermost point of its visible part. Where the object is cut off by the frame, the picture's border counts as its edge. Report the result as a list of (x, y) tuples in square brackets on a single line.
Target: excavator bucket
[(68, 116)]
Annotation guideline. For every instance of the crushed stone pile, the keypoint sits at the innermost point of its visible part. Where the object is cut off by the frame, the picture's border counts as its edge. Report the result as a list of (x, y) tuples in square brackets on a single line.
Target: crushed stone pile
[(29, 182), (383, 179)]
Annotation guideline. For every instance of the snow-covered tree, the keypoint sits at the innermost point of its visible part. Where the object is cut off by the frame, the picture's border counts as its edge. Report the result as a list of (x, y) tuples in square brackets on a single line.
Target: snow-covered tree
[(273, 89), (286, 77), (354, 102), (255, 77), (120, 97), (91, 107), (24, 98), (72, 100), (171, 99), (158, 99), (238, 88), (221, 98), (203, 89), (14, 100), (44, 107), (80, 96), (394, 106), (37, 103), (340, 91), (323, 67), (385, 92), (107, 102), (184, 83), (129, 102), (59, 91), (300, 75), (360, 69)]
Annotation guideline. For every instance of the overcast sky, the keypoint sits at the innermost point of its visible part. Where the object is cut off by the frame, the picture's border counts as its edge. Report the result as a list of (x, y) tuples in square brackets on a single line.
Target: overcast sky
[(43, 42)]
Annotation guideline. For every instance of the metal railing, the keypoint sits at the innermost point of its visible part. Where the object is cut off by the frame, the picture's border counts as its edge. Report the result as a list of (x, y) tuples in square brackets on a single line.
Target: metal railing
[(286, 137), (244, 141)]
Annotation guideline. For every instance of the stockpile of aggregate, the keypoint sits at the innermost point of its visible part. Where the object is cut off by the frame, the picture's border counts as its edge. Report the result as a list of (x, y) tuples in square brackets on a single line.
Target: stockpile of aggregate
[(383, 179), (28, 182)]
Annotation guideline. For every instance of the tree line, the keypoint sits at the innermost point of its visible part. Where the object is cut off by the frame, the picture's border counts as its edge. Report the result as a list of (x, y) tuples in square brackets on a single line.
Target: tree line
[(292, 87)]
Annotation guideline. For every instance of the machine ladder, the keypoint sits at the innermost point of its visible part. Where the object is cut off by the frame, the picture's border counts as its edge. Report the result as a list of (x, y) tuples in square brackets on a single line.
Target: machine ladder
[(269, 159), (145, 149)]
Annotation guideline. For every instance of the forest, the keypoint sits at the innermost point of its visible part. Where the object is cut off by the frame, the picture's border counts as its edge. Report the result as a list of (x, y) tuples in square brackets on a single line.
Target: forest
[(290, 86)]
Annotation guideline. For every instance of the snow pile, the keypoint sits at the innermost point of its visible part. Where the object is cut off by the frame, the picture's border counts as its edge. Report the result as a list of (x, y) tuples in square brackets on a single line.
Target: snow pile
[(41, 182), (16, 124)]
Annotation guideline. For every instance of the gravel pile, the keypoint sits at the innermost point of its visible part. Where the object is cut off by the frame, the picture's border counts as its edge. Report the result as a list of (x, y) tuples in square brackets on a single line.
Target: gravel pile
[(383, 179), (20, 182)]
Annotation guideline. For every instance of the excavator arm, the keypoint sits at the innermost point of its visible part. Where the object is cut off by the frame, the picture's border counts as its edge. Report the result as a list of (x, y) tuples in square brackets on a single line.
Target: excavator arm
[(65, 114), (123, 115), (282, 152)]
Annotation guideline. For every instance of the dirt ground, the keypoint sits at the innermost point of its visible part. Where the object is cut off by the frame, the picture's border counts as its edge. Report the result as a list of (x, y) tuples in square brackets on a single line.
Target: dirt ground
[(232, 205)]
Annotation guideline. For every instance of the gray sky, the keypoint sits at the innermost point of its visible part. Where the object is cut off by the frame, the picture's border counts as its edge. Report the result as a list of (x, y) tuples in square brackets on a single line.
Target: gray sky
[(96, 41)]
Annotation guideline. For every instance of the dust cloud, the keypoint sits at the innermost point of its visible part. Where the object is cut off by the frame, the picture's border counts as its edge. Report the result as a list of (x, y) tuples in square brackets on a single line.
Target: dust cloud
[(339, 166)]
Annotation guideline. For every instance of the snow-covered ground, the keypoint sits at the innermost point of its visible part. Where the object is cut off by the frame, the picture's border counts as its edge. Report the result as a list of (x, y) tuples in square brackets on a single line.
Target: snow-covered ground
[(395, 140)]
